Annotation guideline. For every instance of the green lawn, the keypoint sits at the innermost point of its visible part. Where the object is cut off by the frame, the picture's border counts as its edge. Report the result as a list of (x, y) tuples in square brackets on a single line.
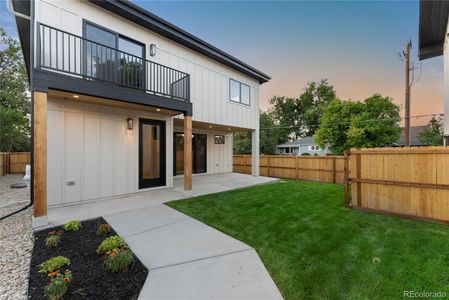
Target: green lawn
[(313, 247)]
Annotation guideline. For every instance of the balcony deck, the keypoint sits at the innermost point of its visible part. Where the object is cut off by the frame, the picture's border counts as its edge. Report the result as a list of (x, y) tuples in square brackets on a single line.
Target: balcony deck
[(102, 71)]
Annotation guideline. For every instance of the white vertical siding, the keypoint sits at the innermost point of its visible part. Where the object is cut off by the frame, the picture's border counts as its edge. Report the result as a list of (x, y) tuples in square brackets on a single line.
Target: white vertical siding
[(90, 146), (209, 79)]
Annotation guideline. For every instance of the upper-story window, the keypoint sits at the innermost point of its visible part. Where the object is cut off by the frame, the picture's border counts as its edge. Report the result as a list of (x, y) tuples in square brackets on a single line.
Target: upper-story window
[(239, 92), (126, 65)]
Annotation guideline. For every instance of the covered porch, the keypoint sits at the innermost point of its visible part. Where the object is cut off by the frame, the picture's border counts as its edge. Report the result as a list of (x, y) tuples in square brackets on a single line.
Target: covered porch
[(202, 184)]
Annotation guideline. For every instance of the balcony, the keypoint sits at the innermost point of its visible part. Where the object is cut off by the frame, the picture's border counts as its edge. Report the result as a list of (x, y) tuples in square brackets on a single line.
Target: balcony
[(69, 54)]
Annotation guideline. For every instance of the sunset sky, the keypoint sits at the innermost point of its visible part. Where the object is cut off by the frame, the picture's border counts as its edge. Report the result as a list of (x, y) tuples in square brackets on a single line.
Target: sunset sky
[(354, 44)]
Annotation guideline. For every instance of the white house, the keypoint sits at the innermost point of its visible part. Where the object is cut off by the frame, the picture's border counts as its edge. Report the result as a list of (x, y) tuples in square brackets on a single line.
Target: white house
[(123, 101), (434, 41), (303, 146)]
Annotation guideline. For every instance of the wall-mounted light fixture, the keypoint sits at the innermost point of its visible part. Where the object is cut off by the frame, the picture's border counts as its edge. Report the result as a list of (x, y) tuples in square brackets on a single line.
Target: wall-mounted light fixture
[(130, 123), (152, 49)]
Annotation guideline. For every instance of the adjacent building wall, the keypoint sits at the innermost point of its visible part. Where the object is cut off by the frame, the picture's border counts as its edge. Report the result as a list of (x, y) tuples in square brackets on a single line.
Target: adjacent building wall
[(446, 85)]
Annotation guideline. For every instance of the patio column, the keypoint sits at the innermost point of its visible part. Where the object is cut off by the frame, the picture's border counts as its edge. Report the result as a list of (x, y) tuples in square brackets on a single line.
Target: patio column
[(187, 153), (255, 152), (40, 154)]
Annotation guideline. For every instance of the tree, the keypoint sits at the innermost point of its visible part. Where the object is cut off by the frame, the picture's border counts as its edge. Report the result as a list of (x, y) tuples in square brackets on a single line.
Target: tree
[(348, 124), (300, 117), (14, 97), (269, 137), (433, 136)]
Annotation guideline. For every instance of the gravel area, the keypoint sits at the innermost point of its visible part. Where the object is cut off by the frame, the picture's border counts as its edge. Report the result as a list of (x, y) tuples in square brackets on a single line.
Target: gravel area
[(8, 195), (16, 240)]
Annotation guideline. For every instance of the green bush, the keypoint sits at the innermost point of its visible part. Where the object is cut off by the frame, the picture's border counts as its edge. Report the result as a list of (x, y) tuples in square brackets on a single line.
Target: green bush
[(52, 240), (118, 259), (103, 229), (58, 285), (73, 225), (110, 243), (53, 264), (305, 154)]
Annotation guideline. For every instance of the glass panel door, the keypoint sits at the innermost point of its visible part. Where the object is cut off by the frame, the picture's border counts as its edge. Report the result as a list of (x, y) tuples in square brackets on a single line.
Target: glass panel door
[(131, 66), (151, 153), (199, 153)]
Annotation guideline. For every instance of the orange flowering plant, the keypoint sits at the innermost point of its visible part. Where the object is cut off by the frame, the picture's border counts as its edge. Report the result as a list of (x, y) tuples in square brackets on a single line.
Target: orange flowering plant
[(58, 285)]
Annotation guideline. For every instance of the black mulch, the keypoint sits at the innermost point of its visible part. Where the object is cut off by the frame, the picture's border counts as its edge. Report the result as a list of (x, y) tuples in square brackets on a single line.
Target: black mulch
[(90, 279)]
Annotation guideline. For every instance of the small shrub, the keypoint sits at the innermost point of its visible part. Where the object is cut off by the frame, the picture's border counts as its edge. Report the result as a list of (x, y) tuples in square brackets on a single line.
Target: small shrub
[(58, 286), (103, 229), (118, 259), (52, 240), (305, 154), (53, 264), (73, 225), (110, 243)]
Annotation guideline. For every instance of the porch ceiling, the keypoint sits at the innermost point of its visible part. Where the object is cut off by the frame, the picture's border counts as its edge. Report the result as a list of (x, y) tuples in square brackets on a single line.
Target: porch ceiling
[(109, 102), (210, 126)]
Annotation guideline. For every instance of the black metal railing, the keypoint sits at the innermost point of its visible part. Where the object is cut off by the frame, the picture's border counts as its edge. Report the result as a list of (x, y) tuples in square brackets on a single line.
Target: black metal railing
[(60, 51)]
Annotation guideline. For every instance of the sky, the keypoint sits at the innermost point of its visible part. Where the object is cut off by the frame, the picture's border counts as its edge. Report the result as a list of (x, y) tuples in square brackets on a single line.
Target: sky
[(354, 44)]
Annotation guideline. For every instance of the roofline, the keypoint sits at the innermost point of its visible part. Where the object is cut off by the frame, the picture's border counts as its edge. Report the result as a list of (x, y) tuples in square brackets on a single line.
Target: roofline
[(139, 15)]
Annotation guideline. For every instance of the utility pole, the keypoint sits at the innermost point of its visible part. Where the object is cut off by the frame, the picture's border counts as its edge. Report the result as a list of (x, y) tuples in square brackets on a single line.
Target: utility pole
[(408, 46)]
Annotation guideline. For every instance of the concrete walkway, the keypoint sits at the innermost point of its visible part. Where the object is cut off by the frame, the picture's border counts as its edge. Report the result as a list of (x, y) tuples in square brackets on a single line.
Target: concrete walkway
[(190, 260)]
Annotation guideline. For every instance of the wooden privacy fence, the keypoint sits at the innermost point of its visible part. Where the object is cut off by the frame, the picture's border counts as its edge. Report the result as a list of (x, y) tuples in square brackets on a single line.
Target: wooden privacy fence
[(408, 181), (14, 162), (315, 168)]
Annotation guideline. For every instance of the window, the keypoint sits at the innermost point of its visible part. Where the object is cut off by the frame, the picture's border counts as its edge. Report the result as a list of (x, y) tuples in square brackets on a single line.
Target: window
[(219, 139), (314, 148), (239, 92)]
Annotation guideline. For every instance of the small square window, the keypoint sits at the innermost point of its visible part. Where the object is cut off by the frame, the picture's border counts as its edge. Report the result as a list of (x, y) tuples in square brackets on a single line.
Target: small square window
[(219, 139), (239, 92)]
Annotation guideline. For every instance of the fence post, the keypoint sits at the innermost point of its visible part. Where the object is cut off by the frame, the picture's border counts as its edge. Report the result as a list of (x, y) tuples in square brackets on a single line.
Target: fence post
[(346, 179), (334, 169), (296, 167), (359, 176), (268, 165)]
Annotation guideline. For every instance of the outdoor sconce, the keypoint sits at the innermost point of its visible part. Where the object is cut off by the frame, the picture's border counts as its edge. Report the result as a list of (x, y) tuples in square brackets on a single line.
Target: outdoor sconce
[(152, 49), (130, 122)]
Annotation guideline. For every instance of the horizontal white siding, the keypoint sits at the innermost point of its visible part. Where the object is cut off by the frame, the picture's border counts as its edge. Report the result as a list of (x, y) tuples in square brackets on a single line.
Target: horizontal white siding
[(209, 79), (91, 154)]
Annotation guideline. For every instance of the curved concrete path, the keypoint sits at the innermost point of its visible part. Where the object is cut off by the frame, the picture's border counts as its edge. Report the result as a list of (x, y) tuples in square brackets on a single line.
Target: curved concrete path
[(190, 260)]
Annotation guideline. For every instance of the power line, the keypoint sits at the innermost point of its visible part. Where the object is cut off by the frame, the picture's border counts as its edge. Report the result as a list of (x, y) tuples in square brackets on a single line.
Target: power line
[(349, 122)]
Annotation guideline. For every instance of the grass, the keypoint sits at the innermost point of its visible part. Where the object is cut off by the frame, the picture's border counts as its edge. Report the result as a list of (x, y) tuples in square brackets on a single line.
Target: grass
[(313, 247)]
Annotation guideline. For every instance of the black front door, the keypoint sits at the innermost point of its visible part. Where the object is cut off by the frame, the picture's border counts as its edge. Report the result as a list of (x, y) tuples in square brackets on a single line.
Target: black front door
[(151, 153)]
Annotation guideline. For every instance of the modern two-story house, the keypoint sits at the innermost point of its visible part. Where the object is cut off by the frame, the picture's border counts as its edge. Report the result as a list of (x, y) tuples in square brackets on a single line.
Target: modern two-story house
[(123, 101), (433, 42)]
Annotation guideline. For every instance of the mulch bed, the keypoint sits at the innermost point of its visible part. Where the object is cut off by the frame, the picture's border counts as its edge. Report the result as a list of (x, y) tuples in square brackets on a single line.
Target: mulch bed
[(90, 279)]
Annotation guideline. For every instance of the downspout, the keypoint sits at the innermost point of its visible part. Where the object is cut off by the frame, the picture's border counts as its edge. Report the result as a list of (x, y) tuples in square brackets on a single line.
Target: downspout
[(10, 8)]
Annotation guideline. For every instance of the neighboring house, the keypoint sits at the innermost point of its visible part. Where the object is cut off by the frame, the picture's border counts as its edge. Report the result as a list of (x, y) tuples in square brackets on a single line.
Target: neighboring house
[(415, 131), (433, 41), (302, 146), (117, 93)]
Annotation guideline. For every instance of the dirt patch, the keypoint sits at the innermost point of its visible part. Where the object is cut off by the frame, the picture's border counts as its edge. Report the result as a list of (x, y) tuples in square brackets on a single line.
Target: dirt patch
[(91, 280)]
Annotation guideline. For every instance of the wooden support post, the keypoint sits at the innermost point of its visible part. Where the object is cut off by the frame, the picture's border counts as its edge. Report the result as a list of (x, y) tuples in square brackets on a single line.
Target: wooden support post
[(40, 154), (346, 179), (187, 153)]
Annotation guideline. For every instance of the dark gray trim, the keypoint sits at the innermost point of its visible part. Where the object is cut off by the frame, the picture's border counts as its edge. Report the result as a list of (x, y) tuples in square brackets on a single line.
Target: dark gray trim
[(433, 17), (45, 80), (138, 15), (24, 29)]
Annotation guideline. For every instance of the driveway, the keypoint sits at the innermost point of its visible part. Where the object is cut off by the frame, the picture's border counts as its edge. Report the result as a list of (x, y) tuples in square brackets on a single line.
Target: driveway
[(190, 260)]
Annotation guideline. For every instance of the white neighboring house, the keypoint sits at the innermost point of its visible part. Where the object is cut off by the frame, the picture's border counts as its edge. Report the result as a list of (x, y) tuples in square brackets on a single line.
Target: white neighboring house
[(114, 90), (434, 41), (302, 146)]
